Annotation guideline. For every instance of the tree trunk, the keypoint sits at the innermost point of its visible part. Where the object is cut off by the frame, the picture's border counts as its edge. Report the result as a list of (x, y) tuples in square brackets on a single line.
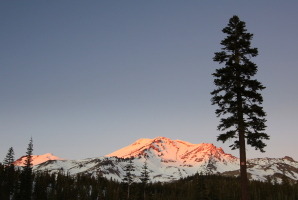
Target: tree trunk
[(128, 191), (243, 171), (241, 132)]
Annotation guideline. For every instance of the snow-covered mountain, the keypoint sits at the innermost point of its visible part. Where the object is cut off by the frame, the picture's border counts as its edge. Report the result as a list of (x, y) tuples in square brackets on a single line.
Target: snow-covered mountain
[(37, 159), (165, 153), (169, 160)]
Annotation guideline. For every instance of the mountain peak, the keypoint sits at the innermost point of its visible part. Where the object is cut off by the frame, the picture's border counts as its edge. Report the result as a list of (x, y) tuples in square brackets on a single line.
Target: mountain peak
[(169, 150)]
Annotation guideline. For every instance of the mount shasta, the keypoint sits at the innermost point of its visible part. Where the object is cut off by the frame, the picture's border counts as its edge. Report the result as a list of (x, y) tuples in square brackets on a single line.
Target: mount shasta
[(169, 160)]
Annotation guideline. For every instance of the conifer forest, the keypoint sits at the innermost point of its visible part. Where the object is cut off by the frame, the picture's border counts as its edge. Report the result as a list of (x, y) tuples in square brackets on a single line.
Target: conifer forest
[(62, 186)]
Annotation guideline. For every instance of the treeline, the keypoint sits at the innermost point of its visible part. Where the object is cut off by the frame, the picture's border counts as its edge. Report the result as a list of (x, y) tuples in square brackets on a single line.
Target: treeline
[(62, 186), (21, 183)]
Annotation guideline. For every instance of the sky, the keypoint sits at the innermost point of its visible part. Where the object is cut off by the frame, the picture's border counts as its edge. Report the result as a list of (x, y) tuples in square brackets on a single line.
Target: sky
[(86, 78)]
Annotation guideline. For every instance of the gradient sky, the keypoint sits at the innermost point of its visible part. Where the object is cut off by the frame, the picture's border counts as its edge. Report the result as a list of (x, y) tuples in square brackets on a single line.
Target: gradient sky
[(85, 79)]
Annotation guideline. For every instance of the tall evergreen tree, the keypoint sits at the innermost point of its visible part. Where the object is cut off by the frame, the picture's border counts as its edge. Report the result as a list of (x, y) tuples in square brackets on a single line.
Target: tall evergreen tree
[(8, 175), (144, 178), (128, 177), (26, 177), (237, 95), (9, 159)]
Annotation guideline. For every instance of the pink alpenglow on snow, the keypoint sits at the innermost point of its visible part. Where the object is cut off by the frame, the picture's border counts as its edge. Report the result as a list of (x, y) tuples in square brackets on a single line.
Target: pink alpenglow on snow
[(37, 159), (172, 150)]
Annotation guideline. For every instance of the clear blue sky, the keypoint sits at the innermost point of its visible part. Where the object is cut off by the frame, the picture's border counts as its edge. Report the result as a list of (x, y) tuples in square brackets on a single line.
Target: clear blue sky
[(85, 79)]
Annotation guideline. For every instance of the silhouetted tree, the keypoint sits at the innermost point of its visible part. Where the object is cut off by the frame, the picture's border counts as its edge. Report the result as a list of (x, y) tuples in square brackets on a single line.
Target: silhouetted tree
[(8, 176), (128, 177), (237, 95), (144, 178), (9, 159), (26, 177)]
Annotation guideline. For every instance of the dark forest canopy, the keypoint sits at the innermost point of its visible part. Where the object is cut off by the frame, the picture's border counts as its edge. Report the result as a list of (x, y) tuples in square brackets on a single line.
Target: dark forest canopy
[(61, 185)]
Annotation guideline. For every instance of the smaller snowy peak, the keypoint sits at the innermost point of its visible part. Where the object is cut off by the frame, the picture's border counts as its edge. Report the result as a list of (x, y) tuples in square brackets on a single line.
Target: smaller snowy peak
[(37, 159), (271, 161)]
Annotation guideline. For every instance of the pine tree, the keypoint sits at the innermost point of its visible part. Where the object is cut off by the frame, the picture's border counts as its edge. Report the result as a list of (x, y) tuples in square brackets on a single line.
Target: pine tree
[(145, 178), (8, 175), (26, 177), (128, 177), (9, 159), (237, 95)]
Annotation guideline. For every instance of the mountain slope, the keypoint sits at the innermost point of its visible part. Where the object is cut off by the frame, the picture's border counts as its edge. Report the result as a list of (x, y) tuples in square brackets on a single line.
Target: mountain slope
[(169, 160), (162, 152)]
